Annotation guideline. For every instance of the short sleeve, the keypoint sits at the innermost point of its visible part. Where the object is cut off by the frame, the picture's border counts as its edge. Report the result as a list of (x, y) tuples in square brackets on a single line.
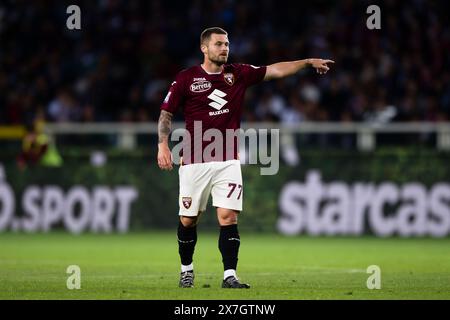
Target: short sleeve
[(175, 97), (252, 74)]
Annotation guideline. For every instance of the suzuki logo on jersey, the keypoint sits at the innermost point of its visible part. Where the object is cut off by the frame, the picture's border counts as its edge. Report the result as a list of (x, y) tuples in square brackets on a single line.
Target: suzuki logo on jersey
[(216, 96)]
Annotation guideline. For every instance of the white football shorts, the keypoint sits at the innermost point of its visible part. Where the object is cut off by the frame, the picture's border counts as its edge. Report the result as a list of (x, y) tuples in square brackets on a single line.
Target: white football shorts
[(221, 179)]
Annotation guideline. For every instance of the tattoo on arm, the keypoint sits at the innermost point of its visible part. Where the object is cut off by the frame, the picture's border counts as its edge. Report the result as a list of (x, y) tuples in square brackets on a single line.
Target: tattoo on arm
[(164, 126)]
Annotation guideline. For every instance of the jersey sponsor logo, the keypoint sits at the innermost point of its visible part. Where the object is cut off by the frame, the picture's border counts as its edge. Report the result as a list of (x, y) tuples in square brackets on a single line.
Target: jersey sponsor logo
[(229, 78), (187, 201), (199, 79), (217, 99), (201, 86), (215, 113)]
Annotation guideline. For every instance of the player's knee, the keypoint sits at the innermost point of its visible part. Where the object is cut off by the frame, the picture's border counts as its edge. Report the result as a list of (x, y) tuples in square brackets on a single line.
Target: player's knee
[(228, 219), (189, 222)]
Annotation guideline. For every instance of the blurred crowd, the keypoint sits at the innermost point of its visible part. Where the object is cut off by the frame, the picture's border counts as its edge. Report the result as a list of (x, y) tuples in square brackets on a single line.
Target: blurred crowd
[(119, 66)]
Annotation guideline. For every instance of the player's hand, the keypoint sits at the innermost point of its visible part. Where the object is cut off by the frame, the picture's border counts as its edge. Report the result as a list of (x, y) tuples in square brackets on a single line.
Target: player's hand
[(164, 157), (320, 65)]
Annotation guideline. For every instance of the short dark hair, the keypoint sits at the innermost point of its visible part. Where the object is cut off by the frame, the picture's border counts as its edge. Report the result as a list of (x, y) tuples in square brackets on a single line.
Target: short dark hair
[(206, 34)]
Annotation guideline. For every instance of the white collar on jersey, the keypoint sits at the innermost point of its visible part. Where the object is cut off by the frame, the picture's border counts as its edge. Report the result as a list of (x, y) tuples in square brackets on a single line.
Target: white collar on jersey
[(210, 72)]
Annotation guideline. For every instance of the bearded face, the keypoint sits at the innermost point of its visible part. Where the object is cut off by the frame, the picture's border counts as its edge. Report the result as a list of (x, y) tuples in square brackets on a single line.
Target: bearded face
[(217, 49)]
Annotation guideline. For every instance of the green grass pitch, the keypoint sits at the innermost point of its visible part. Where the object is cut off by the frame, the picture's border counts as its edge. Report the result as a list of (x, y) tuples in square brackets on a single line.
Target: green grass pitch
[(146, 266)]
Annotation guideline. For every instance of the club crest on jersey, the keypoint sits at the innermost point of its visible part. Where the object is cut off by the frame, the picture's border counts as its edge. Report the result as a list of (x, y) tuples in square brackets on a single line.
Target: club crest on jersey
[(187, 201), (229, 78), (200, 86)]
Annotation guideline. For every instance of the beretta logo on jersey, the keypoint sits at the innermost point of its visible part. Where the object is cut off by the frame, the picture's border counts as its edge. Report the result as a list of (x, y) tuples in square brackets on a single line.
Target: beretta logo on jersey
[(229, 78), (187, 201), (201, 86)]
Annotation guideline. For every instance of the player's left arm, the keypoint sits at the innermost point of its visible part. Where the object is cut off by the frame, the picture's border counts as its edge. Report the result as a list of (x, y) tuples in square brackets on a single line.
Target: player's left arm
[(284, 69)]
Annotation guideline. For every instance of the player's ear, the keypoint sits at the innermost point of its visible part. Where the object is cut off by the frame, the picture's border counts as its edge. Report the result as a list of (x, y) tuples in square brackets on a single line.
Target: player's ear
[(203, 48)]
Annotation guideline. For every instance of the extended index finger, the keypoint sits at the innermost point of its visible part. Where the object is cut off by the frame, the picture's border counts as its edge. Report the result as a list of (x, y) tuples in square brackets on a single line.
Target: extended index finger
[(329, 61)]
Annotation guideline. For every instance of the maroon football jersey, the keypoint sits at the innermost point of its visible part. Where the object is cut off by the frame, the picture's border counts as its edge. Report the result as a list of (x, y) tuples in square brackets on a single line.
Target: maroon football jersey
[(211, 101)]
